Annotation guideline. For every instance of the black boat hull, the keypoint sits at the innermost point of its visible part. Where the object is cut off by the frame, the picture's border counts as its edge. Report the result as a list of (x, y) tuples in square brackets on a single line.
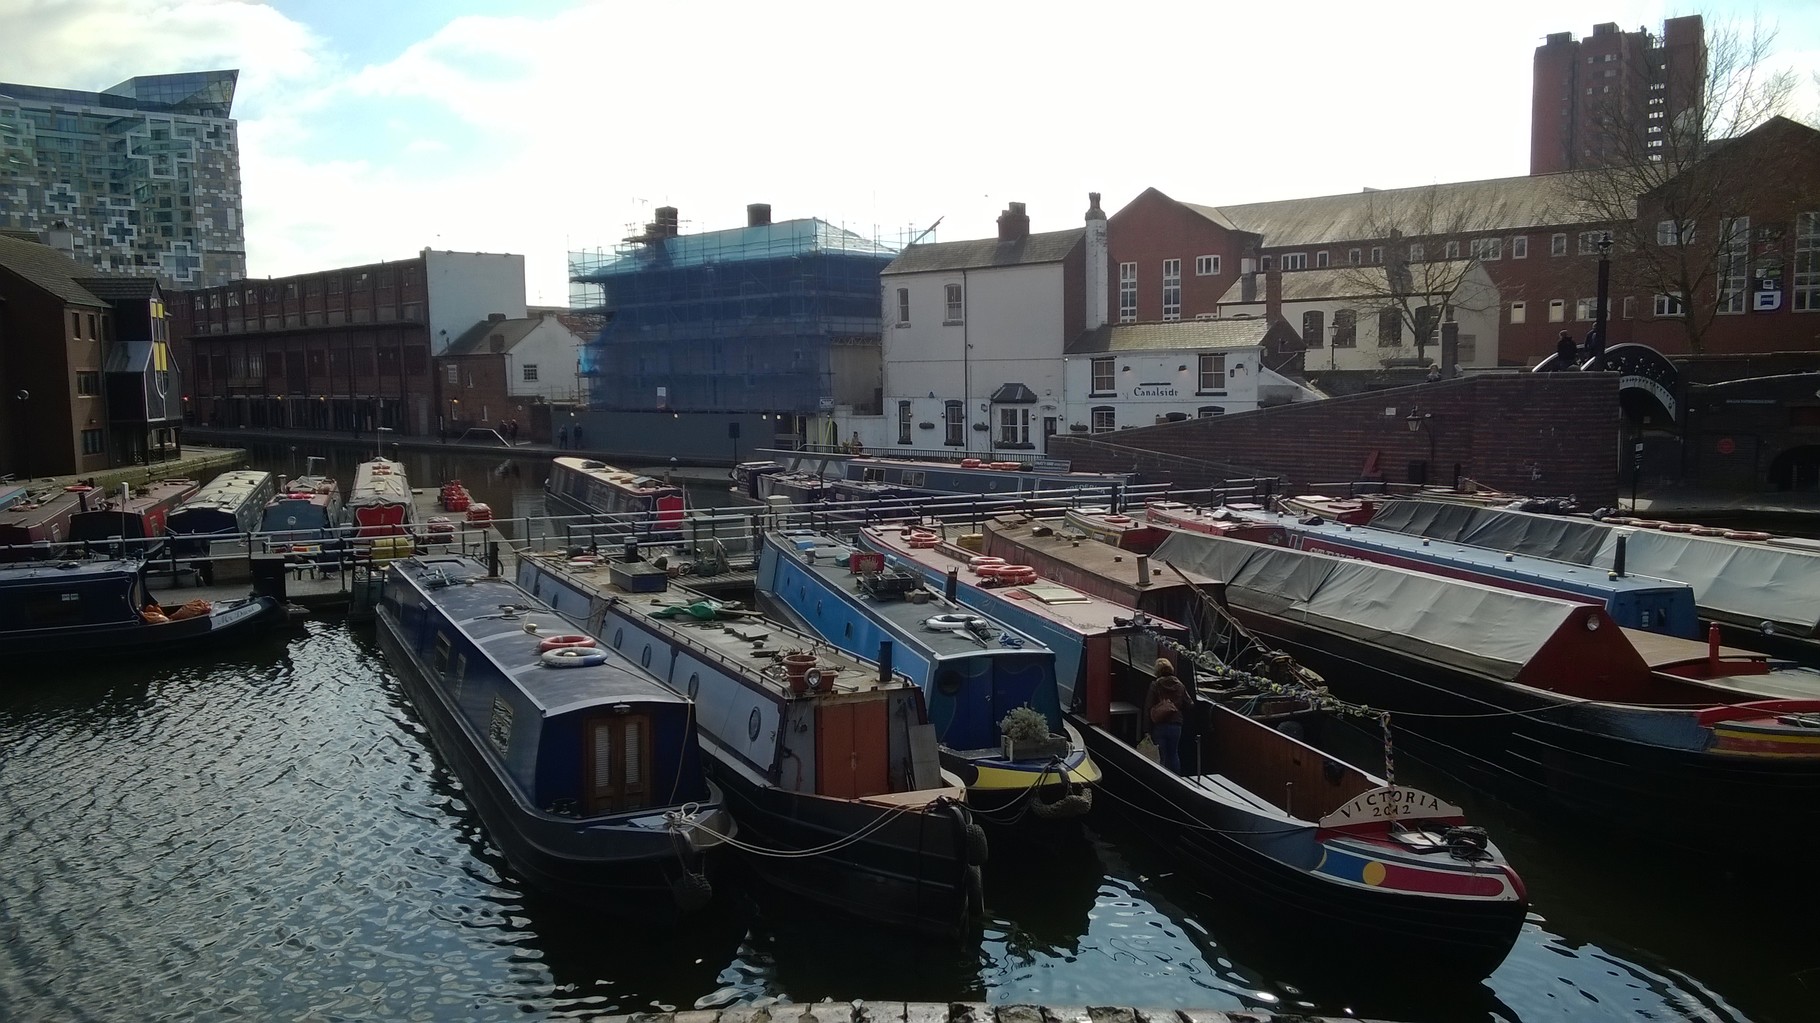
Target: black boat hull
[(227, 625), (634, 874)]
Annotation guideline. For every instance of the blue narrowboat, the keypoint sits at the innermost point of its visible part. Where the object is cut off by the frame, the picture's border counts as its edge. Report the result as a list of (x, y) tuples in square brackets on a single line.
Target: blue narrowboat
[(102, 607), (585, 770), (828, 762), (306, 509), (974, 671), (229, 505)]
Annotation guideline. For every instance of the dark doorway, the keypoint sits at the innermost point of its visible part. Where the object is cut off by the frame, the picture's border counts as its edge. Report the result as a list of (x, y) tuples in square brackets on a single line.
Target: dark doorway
[(1796, 469)]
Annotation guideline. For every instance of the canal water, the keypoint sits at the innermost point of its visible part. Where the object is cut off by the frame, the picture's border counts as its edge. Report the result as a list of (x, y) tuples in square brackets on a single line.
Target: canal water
[(265, 833)]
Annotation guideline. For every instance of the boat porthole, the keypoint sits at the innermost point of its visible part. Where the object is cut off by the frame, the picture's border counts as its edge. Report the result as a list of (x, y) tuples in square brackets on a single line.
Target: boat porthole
[(644, 659), (619, 636), (818, 609), (694, 684), (849, 630), (801, 594), (752, 725)]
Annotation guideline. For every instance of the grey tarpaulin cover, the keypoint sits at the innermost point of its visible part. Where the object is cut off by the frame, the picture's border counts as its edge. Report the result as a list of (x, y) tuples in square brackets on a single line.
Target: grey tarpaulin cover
[(1733, 580), (1476, 628)]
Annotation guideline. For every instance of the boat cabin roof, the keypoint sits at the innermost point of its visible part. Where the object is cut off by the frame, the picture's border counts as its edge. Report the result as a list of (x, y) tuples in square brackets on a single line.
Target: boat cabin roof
[(1068, 607), (473, 601), (1061, 541), (1504, 634), (830, 558), (613, 476), (40, 573), (228, 490), (1747, 581)]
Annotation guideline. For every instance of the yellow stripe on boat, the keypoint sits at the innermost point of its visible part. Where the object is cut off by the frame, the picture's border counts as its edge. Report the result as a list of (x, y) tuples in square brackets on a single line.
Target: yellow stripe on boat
[(1015, 778)]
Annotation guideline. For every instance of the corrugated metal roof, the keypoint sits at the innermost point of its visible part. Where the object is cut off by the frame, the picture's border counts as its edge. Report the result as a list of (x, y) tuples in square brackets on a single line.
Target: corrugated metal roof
[(1046, 247), (1462, 207), (48, 269), (1198, 334), (1351, 282)]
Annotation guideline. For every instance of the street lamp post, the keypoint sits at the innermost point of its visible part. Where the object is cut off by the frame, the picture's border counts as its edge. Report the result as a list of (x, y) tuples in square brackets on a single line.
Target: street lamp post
[(1601, 312), (25, 426), (1417, 421)]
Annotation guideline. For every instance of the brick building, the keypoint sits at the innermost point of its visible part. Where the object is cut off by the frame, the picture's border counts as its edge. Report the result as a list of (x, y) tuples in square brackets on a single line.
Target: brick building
[(343, 350), (1535, 239), (1585, 90), (504, 370), (85, 367)]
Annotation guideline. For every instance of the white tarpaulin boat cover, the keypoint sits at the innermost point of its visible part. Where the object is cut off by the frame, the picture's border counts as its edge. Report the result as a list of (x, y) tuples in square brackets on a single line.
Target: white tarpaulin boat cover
[(1488, 631), (1739, 581)]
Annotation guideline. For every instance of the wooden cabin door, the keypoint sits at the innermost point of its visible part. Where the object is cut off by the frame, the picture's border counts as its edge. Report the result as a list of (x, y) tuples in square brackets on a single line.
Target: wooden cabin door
[(616, 768)]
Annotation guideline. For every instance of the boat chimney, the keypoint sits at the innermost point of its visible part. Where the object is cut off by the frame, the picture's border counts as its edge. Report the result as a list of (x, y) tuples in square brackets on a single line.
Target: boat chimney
[(1143, 570), (1617, 558), (82, 499), (952, 583), (1712, 648), (884, 662)]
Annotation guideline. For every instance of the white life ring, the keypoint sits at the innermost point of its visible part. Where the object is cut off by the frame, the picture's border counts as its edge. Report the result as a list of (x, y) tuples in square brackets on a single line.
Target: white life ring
[(949, 622), (572, 657)]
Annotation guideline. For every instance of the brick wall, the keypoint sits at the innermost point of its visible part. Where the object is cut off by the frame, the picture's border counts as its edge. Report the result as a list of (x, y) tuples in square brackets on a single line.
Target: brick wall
[(1530, 433)]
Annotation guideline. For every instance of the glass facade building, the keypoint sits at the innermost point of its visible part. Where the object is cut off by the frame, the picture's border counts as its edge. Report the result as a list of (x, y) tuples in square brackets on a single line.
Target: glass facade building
[(144, 177)]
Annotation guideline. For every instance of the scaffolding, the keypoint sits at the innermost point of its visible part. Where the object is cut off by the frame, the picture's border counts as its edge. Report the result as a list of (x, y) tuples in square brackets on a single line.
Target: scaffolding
[(738, 320)]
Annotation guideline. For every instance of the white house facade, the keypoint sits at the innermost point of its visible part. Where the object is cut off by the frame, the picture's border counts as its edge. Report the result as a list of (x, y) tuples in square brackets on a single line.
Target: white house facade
[(1140, 374), (973, 340)]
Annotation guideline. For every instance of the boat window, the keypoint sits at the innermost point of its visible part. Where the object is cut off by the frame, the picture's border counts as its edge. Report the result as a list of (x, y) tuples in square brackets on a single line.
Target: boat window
[(619, 636), (694, 684), (439, 661), (752, 725), (644, 659)]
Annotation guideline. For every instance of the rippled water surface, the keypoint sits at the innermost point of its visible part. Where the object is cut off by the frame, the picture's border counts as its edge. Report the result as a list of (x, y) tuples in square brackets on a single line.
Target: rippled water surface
[(265, 834)]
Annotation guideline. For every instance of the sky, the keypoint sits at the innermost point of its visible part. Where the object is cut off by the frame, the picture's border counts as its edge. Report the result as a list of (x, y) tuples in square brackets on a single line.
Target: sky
[(371, 129)]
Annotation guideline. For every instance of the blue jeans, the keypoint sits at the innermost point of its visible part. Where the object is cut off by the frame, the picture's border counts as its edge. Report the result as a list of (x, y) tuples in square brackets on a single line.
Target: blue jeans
[(1168, 739)]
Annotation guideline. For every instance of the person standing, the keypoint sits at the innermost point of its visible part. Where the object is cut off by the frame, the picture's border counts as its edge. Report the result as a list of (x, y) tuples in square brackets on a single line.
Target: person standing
[(562, 438), (1165, 707), (578, 436), (1565, 350)]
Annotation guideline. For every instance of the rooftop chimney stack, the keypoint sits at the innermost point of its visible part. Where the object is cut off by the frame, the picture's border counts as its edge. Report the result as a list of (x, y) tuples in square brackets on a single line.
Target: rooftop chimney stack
[(1099, 281), (665, 225), (1013, 224), (1273, 290), (758, 214)]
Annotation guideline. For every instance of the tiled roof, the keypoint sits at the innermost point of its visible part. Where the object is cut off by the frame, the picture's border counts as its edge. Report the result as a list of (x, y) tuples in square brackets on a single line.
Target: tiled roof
[(1350, 282), (116, 289), (1138, 337), (477, 340), (1047, 247), (1456, 208), (48, 269)]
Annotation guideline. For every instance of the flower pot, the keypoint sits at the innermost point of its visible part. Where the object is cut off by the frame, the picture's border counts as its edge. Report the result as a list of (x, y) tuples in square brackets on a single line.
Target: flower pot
[(796, 670)]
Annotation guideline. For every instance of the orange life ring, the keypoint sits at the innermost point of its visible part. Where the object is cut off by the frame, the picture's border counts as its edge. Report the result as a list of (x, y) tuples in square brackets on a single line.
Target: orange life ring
[(566, 643), (1745, 534), (78, 488), (1677, 527), (983, 562), (1708, 531), (970, 463), (1119, 520), (1015, 575), (1007, 466)]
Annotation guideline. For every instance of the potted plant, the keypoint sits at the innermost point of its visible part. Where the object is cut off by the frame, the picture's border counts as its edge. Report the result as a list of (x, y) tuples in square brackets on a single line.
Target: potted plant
[(1025, 735)]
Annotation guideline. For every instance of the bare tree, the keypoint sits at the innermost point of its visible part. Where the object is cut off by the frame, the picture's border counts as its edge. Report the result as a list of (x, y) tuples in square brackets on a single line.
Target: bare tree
[(1674, 194), (1434, 238)]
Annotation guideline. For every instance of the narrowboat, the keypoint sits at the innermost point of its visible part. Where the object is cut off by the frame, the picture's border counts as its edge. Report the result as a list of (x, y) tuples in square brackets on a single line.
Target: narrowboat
[(131, 513), (1633, 601), (1546, 699), (828, 761), (980, 476), (630, 504), (1260, 811), (227, 506), (101, 607), (585, 770), (973, 671), (748, 476), (1762, 595), (1111, 573), (379, 503), (306, 509), (40, 516), (1126, 532)]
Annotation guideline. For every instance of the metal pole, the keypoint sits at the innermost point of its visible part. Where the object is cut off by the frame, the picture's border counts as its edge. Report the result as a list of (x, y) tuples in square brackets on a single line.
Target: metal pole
[(1601, 312)]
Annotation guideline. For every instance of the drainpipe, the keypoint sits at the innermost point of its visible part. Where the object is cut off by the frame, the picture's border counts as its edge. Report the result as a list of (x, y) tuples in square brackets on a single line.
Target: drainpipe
[(966, 369)]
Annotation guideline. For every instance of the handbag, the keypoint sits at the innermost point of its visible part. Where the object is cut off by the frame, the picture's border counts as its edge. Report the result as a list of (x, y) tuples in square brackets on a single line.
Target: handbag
[(1161, 711)]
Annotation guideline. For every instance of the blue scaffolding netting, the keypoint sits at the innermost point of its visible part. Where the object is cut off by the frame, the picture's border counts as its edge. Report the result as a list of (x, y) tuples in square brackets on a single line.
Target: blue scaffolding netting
[(736, 320)]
